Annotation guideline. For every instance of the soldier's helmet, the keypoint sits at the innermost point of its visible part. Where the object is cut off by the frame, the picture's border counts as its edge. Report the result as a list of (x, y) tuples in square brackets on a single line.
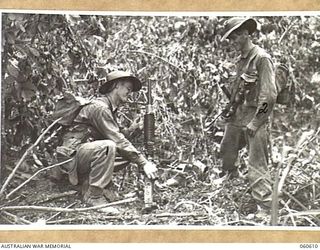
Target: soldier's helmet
[(235, 23), (113, 76)]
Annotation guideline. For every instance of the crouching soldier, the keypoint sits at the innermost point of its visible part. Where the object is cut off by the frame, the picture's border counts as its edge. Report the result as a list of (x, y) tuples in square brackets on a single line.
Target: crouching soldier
[(95, 143)]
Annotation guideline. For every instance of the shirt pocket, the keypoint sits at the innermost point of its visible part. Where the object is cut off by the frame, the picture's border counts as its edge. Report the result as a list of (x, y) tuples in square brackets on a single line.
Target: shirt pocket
[(76, 136), (250, 81)]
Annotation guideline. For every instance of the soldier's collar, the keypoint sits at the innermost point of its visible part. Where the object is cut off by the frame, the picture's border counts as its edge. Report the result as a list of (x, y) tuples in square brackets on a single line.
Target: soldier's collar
[(112, 105)]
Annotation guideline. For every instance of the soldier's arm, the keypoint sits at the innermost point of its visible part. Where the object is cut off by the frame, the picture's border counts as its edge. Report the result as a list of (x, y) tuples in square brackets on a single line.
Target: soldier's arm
[(102, 119), (267, 92)]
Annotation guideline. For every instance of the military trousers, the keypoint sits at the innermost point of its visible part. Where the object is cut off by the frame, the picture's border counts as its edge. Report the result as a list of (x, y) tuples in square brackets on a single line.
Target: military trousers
[(97, 161), (235, 138)]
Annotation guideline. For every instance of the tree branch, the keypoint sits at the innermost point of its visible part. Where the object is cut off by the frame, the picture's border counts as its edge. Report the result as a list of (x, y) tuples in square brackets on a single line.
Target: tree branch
[(58, 213), (29, 150), (179, 215), (66, 210), (275, 200), (300, 204), (303, 144), (39, 171), (287, 30), (16, 218)]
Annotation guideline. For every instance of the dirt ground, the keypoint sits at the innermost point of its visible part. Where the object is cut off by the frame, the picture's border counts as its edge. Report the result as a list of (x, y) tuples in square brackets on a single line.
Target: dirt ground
[(186, 198)]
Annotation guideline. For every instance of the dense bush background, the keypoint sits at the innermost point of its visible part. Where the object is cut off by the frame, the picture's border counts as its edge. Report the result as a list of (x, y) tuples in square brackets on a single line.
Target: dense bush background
[(44, 55)]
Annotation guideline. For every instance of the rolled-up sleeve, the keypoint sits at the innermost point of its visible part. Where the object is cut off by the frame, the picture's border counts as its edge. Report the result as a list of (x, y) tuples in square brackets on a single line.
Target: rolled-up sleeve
[(102, 119), (267, 91)]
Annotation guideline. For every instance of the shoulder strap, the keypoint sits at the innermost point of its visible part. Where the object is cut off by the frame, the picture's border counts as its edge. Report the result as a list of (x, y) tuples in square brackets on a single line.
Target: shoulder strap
[(68, 107), (252, 55)]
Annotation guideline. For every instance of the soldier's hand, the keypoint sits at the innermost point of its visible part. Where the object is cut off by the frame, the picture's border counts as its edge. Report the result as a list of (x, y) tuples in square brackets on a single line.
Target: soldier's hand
[(136, 124), (150, 170)]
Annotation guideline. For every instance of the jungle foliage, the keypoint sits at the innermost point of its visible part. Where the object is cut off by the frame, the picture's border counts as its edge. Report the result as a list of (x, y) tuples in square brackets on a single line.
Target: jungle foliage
[(45, 55)]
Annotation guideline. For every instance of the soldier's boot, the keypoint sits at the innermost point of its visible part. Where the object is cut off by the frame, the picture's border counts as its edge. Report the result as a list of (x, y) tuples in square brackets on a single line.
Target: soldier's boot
[(110, 192), (232, 174), (95, 197), (84, 187)]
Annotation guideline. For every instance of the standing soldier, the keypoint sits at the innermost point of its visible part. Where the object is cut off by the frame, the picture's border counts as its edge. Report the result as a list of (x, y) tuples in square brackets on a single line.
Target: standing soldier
[(253, 95), (95, 142)]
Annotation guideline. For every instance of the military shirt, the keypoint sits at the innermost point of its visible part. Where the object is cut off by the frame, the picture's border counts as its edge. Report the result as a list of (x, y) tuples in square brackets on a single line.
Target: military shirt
[(97, 121), (259, 92)]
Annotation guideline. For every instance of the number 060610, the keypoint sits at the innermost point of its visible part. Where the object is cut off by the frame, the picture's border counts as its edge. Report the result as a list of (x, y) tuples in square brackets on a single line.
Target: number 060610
[(308, 246)]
